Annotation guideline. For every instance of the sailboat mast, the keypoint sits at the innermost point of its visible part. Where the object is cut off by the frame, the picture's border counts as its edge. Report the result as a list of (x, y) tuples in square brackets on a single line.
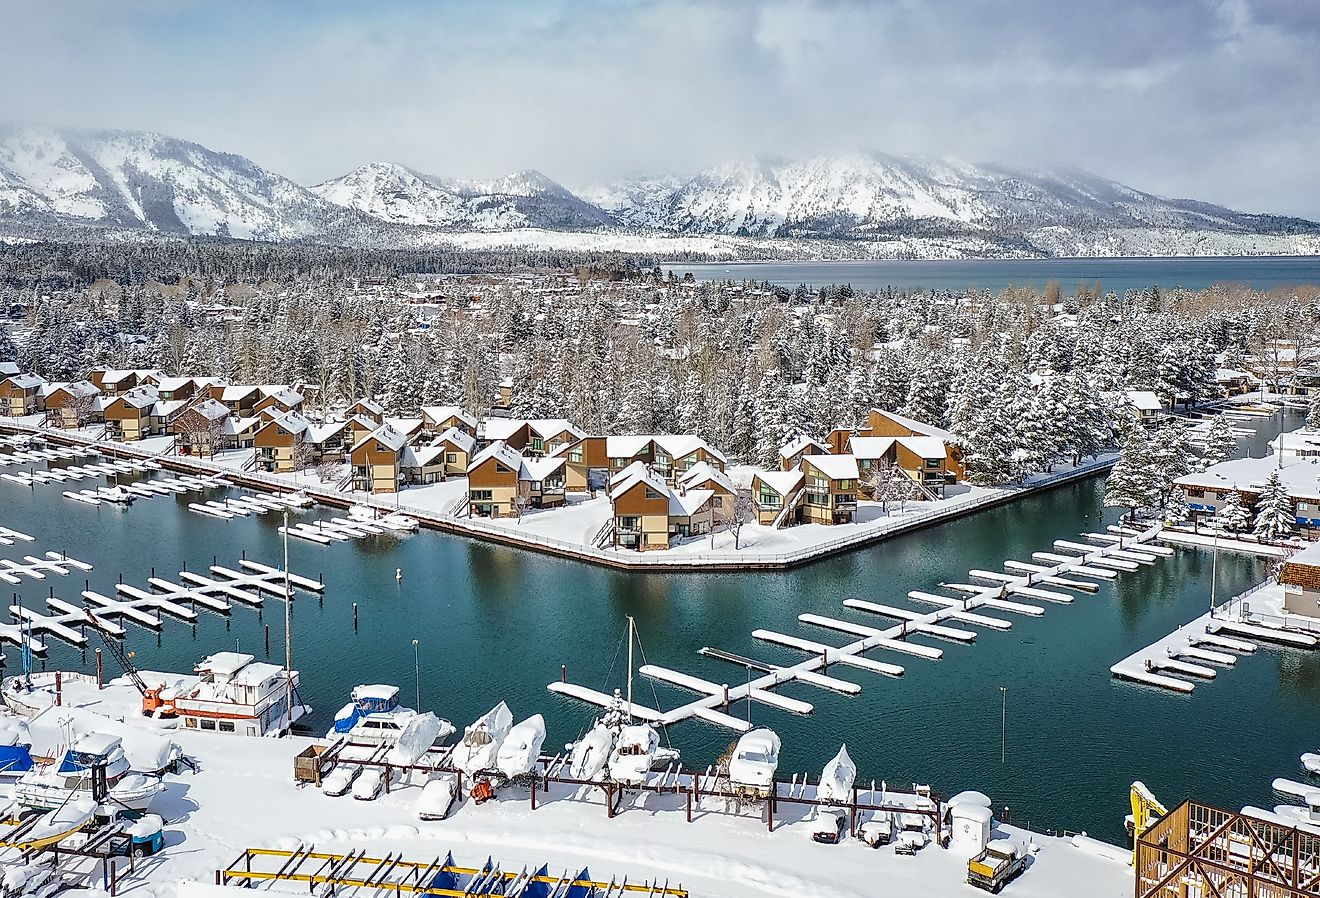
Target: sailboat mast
[(631, 628), (288, 636)]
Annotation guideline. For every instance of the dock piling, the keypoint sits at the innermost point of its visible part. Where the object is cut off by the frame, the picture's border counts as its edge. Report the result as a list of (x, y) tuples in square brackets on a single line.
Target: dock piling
[(355, 617)]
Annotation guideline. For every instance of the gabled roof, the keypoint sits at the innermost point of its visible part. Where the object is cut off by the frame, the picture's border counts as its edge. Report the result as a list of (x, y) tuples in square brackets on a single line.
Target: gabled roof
[(370, 405), (140, 397), (1144, 400), (284, 396), (925, 447), (406, 426), (637, 473), (422, 456), (26, 381), (459, 439), (540, 468), (703, 473), (625, 446), (77, 388), (291, 422), (548, 427), (835, 467), (235, 392), (687, 504), (871, 447), (387, 435), (170, 384), (235, 426), (793, 447), (918, 427), (319, 433), (167, 408), (501, 428), (439, 413), (782, 482), (501, 452), (9, 369), (209, 409)]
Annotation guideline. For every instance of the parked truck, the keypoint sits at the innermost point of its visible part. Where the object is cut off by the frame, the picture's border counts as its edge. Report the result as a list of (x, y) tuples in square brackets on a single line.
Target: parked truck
[(996, 865)]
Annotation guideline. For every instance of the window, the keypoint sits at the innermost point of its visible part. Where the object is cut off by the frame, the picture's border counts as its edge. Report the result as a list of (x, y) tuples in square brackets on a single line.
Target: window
[(933, 463), (1196, 494), (538, 444), (652, 494), (815, 497), (451, 458), (480, 495), (844, 498), (190, 722), (770, 499), (845, 484), (226, 726), (208, 724), (629, 522)]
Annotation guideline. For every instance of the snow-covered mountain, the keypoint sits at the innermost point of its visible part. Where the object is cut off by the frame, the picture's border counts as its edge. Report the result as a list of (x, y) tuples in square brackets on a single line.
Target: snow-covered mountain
[(874, 196), (54, 180), (399, 195)]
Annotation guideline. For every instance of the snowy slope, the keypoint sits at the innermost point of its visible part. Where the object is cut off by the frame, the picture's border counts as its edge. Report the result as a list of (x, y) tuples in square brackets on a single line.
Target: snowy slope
[(397, 194)]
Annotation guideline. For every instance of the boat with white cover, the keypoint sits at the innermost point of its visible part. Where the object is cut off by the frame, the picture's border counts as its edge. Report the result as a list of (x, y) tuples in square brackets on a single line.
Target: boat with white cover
[(77, 775), (521, 747), (1311, 761), (837, 778), (375, 717), (634, 753), (481, 741), (590, 754), (755, 760)]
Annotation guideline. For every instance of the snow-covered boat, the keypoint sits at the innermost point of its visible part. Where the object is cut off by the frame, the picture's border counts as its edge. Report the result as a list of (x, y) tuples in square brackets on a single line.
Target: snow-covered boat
[(298, 500), (521, 747), (481, 741), (56, 824), (374, 717), (755, 760), (362, 513), (634, 753), (590, 754), (1311, 761), (402, 522), (116, 494), (76, 776), (836, 780)]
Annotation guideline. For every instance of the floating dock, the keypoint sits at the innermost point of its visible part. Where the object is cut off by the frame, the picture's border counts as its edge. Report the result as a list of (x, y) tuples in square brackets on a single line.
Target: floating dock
[(1101, 559)]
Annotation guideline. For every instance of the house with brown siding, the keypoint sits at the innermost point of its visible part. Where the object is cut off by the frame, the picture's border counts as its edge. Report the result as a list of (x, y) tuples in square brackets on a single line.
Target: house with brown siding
[(773, 492), (891, 424), (131, 416), (501, 482), (275, 400), (1301, 582), (202, 428), (791, 453), (588, 467), (705, 476), (72, 404), (367, 409), (457, 447), (172, 388), (439, 418), (279, 443), (20, 395), (668, 455), (241, 400), (639, 501), (830, 490), (118, 381), (424, 464), (377, 460)]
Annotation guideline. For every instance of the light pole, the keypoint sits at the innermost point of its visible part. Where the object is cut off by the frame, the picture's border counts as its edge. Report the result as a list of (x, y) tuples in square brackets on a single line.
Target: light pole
[(417, 675), (1003, 724)]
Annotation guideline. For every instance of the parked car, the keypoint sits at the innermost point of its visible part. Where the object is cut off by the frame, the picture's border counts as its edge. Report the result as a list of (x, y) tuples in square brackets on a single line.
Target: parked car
[(910, 841), (368, 784), (877, 831), (437, 798), (829, 826), (338, 780)]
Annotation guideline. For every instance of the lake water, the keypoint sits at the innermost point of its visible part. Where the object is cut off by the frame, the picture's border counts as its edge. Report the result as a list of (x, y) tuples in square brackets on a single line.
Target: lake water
[(1118, 275), (496, 623)]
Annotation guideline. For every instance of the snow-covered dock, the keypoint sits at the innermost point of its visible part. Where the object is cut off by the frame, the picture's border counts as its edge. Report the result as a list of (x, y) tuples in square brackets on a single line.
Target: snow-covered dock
[(330, 530), (36, 568), (1102, 558), (74, 473), (41, 456), (1218, 637)]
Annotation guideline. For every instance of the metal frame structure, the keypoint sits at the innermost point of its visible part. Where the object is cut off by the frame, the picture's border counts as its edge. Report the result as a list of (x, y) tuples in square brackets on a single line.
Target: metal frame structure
[(1196, 851)]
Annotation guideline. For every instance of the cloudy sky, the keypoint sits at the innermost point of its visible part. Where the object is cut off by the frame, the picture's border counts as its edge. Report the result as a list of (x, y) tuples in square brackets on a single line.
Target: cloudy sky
[(1212, 99)]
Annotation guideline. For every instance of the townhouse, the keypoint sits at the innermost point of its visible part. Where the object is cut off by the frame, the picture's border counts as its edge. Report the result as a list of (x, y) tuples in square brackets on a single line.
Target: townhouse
[(830, 491), (792, 452), (705, 476), (920, 460), (377, 460), (202, 428), (891, 424), (456, 447), (534, 437), (279, 443), (668, 455), (20, 395), (501, 482), (775, 495), (440, 418), (133, 415), (71, 405), (1300, 579), (639, 501), (118, 381), (1207, 490)]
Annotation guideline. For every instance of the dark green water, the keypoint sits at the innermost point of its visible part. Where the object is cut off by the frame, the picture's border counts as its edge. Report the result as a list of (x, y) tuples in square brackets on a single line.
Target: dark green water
[(1118, 275), (495, 623)]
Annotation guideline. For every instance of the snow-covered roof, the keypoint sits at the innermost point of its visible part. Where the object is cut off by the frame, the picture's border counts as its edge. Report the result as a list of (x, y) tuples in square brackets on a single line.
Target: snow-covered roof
[(9, 369), (140, 397), (284, 396), (371, 405), (26, 381), (165, 408), (702, 473), (925, 447), (292, 422), (625, 446), (406, 425), (793, 447), (76, 389), (1300, 477), (387, 435), (675, 445), (236, 426), (688, 503), (210, 409), (501, 452), (1230, 374), (440, 413), (916, 426), (634, 474), (540, 468), (319, 433), (1302, 440), (835, 467), (871, 447), (224, 664), (113, 376), (1144, 400), (170, 384), (549, 427), (235, 393), (460, 439), (255, 673), (782, 482), (1309, 556)]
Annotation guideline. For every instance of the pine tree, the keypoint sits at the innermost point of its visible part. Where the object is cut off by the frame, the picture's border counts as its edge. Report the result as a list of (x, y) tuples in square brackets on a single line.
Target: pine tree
[(1177, 510), (1135, 481), (1275, 516), (1313, 414), (1220, 444), (1233, 516)]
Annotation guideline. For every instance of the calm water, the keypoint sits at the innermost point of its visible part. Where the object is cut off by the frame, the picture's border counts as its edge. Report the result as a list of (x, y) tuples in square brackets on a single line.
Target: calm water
[(1118, 275), (496, 623)]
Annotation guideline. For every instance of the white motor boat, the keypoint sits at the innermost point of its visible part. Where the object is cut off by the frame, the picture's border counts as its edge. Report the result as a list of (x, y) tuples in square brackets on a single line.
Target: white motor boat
[(77, 774), (362, 513), (590, 754), (481, 741), (1311, 761), (836, 780), (755, 760), (375, 717), (401, 522), (521, 747), (634, 752), (116, 494)]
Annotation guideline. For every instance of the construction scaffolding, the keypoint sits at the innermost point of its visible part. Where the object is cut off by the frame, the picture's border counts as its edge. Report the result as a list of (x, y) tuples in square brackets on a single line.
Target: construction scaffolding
[(1196, 851)]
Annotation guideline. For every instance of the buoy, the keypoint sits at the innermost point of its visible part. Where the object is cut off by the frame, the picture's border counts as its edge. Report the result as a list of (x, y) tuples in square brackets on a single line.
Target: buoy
[(398, 574)]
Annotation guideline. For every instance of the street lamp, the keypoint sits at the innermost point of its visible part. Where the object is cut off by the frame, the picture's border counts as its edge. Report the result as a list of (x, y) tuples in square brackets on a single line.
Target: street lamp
[(417, 675)]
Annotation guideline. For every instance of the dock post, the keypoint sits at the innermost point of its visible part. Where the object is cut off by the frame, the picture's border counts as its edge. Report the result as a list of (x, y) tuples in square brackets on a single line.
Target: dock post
[(98, 651), (355, 617), (100, 671), (563, 673), (689, 800), (533, 793), (725, 686), (609, 801), (852, 812), (770, 807), (59, 688)]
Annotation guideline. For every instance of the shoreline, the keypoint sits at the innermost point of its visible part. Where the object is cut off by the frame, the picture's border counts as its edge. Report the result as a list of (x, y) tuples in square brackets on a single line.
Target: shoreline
[(490, 532)]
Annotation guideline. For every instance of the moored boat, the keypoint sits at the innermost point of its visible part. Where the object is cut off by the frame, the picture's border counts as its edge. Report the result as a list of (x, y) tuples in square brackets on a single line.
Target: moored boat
[(755, 760), (94, 767), (477, 750)]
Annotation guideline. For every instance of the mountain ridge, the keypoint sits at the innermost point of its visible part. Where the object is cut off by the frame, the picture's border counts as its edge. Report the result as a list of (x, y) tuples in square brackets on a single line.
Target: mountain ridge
[(56, 179)]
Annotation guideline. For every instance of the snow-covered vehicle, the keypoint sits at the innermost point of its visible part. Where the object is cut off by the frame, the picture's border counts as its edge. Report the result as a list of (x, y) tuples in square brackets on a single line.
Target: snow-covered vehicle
[(910, 841), (877, 831), (829, 826), (521, 747), (337, 781), (837, 778), (437, 798), (481, 741), (997, 865), (755, 760), (633, 754), (368, 784), (590, 754)]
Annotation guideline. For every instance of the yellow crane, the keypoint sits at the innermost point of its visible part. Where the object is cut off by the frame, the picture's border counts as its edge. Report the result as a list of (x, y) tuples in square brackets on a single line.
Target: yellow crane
[(1146, 809)]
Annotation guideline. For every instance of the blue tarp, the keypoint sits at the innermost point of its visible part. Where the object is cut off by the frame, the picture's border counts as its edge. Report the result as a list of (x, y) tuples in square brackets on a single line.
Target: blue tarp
[(538, 889), (345, 719), (15, 759), (446, 879), (581, 891)]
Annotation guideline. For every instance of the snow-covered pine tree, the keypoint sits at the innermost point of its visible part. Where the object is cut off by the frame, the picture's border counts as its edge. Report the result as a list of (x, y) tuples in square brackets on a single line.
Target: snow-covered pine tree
[(1275, 516), (1220, 444), (1176, 509), (1313, 414), (1131, 481), (1233, 516)]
